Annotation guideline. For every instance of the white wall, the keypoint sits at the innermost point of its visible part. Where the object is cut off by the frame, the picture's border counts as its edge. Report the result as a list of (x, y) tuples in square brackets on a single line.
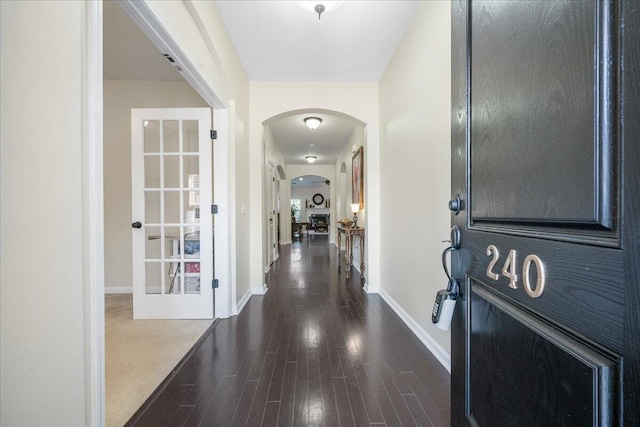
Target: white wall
[(306, 193), (415, 107), (120, 96), (42, 342), (357, 100)]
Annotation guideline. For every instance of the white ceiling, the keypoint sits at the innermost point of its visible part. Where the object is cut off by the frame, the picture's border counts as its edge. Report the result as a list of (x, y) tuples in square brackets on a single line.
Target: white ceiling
[(309, 181), (294, 138), (280, 41)]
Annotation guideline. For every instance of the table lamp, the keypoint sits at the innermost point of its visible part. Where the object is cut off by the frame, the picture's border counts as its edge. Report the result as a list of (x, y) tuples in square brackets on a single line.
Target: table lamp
[(355, 208)]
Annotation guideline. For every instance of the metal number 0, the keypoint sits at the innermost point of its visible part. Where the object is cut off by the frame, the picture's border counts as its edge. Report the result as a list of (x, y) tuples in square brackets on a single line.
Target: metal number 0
[(526, 267)]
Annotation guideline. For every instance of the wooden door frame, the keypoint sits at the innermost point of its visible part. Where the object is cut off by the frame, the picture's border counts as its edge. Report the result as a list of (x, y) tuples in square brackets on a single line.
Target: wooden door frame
[(93, 186)]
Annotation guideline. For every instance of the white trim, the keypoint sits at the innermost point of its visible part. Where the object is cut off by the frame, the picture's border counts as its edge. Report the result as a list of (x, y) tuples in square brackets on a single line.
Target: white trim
[(151, 303), (436, 349), (260, 290), (286, 242), (243, 301), (118, 290), (226, 210), (370, 289), (93, 213), (144, 17), (266, 270)]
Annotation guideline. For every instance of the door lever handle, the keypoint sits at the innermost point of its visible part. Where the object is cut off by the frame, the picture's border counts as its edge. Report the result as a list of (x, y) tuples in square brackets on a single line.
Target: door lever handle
[(137, 224)]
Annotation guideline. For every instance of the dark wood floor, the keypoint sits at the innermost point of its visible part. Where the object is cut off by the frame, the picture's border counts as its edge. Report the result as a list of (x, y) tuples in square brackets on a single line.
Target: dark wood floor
[(315, 350)]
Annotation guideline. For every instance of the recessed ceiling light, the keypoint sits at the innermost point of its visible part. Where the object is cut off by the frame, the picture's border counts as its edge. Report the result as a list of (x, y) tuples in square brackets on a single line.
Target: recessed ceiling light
[(301, 178)]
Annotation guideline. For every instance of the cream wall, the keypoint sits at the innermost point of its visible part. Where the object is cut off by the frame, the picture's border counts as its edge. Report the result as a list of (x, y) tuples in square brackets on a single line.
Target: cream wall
[(197, 27), (48, 303), (415, 108), (120, 96), (357, 100), (42, 340), (274, 157), (343, 198)]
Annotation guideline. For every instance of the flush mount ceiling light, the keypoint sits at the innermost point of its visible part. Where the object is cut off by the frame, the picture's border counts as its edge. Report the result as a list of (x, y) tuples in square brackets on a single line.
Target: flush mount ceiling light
[(311, 159), (319, 6), (313, 122)]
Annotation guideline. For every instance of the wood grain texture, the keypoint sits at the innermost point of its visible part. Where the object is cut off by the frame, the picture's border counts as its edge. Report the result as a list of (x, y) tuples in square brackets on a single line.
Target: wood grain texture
[(315, 350), (459, 159), (526, 373), (535, 150), (630, 63), (542, 96), (584, 289)]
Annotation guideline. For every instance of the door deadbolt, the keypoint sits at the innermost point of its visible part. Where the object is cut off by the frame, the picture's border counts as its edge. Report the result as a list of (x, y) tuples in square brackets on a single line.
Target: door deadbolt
[(455, 205)]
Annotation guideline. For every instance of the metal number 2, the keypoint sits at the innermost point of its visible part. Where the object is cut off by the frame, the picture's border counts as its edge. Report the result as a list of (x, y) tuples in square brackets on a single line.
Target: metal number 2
[(492, 250)]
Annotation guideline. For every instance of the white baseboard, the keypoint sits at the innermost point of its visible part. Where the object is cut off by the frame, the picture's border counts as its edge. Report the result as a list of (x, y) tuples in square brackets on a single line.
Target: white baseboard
[(285, 242), (371, 289), (118, 289), (266, 270), (260, 290), (443, 357), (237, 308)]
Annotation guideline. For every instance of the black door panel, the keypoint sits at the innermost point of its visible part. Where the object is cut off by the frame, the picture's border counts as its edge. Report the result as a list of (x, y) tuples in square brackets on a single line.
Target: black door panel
[(546, 158)]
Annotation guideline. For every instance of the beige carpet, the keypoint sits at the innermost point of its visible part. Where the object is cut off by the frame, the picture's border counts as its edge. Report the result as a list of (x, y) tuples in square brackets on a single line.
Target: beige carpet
[(140, 354)]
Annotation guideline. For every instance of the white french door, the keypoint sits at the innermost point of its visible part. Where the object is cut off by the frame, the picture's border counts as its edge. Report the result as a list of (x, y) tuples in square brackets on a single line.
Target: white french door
[(171, 204)]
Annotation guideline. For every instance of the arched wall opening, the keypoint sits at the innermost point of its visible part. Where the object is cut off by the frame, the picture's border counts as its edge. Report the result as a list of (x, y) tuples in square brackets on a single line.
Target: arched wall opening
[(311, 195), (271, 101), (340, 200)]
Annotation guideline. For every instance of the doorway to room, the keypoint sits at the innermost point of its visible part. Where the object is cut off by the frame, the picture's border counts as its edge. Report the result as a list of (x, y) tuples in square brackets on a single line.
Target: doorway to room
[(310, 206), (155, 83)]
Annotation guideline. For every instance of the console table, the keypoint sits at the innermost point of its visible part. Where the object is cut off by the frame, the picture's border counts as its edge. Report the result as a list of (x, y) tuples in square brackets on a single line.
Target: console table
[(350, 233)]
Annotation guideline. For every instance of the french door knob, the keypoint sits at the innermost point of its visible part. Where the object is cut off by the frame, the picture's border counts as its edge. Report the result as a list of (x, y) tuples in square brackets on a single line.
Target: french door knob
[(137, 224)]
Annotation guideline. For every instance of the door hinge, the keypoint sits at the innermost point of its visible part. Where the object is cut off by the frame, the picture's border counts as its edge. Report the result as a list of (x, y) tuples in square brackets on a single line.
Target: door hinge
[(214, 209), (214, 134), (215, 284), (273, 179)]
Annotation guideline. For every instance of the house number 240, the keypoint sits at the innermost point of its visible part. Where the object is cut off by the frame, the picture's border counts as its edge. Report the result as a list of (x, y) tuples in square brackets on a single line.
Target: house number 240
[(509, 271)]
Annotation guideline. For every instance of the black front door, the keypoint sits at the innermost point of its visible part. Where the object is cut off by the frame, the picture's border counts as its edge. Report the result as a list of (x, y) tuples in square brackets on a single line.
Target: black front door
[(546, 160)]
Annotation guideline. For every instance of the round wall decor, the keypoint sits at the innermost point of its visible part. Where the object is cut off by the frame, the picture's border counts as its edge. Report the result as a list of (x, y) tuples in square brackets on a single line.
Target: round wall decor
[(318, 199)]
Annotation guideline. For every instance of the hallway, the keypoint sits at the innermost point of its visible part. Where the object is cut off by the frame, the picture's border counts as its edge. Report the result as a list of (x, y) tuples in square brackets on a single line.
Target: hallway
[(315, 350)]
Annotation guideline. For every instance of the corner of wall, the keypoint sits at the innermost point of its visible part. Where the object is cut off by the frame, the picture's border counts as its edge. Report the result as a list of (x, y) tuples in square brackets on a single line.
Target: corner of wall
[(432, 345)]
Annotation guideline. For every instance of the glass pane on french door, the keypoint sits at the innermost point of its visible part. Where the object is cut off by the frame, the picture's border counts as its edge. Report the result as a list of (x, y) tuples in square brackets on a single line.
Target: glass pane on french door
[(172, 207)]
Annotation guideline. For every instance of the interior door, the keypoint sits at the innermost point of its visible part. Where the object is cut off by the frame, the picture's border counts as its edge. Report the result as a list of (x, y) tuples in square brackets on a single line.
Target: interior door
[(171, 205), (545, 155), (271, 213)]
